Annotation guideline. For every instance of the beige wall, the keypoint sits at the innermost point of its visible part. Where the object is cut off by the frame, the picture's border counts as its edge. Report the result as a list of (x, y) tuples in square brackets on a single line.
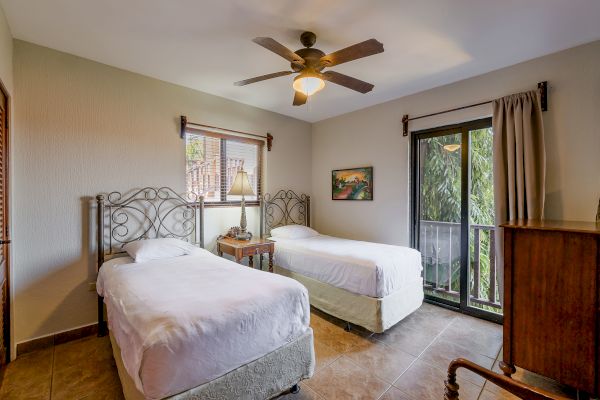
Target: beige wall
[(373, 136), (83, 128), (6, 53)]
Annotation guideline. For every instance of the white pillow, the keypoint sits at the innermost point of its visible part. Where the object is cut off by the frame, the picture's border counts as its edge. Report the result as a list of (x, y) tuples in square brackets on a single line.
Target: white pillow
[(293, 232), (155, 249)]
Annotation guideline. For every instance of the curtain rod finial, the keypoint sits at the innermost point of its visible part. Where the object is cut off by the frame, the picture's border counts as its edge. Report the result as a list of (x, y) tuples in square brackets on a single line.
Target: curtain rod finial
[(543, 87), (405, 125), (183, 126)]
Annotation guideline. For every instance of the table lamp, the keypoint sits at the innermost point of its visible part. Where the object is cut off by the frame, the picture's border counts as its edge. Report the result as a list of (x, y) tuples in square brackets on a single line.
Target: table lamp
[(242, 187)]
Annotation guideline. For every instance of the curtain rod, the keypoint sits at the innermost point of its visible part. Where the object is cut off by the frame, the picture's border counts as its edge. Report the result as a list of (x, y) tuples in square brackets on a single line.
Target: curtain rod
[(542, 86), (185, 123)]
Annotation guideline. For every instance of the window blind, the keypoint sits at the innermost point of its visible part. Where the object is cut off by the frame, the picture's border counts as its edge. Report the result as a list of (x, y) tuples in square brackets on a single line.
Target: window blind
[(240, 155), (213, 160)]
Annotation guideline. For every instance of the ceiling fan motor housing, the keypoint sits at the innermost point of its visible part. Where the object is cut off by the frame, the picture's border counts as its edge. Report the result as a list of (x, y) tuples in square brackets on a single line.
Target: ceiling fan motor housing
[(311, 58)]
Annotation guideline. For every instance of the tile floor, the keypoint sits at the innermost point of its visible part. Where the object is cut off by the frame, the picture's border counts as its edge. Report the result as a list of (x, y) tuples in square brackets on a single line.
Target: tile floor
[(408, 362)]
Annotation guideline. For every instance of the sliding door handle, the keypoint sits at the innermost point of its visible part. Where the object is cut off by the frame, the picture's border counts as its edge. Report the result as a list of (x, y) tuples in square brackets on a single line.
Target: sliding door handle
[(4, 242)]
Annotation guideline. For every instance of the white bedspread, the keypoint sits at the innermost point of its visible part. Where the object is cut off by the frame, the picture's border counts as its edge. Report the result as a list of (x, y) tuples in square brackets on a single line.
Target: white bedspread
[(183, 321), (370, 269)]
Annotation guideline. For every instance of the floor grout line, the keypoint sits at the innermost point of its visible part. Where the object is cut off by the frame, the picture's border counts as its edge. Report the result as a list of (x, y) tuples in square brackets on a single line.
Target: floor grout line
[(417, 358), (434, 366), (499, 352), (437, 337), (486, 381), (342, 354), (392, 385)]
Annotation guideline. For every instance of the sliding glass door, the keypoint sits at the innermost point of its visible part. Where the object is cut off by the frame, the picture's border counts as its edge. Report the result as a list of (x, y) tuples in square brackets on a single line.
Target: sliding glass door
[(453, 216), (439, 213)]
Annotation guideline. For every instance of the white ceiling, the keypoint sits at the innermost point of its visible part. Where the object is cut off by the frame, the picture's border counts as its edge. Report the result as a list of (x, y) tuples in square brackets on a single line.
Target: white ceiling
[(205, 45)]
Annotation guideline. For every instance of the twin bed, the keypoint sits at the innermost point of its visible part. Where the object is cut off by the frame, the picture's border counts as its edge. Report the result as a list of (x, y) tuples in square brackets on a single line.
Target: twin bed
[(187, 324), (368, 284)]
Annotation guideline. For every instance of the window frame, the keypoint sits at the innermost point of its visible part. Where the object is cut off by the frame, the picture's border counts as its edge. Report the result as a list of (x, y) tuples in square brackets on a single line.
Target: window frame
[(463, 128), (223, 165)]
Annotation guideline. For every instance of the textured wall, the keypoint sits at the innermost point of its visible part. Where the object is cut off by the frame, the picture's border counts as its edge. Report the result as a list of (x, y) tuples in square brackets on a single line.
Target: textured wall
[(81, 128), (373, 136)]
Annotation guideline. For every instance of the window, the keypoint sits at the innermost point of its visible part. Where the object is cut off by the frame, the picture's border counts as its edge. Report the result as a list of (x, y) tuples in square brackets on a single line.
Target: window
[(213, 160)]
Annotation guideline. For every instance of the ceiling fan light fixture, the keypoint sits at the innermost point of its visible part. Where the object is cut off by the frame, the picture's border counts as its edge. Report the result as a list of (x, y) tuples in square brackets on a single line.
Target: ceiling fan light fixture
[(309, 62), (308, 83)]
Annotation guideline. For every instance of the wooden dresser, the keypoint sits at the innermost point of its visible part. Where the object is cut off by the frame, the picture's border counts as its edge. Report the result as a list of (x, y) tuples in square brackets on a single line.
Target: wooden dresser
[(551, 301)]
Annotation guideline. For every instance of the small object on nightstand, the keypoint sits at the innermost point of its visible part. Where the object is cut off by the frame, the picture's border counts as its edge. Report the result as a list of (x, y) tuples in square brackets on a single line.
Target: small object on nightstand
[(235, 231), (246, 248)]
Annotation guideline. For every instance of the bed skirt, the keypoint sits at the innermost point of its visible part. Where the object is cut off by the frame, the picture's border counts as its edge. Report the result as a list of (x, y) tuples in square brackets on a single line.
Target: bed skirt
[(374, 314), (260, 379)]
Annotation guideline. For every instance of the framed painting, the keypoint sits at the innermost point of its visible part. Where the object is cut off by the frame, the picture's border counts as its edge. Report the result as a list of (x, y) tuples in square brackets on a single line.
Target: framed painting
[(352, 184)]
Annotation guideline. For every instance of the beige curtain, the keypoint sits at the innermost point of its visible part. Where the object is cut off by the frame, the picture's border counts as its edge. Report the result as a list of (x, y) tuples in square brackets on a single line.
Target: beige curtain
[(519, 164)]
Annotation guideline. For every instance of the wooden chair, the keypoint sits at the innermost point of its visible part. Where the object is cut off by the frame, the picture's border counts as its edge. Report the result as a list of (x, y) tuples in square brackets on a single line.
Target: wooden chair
[(517, 388)]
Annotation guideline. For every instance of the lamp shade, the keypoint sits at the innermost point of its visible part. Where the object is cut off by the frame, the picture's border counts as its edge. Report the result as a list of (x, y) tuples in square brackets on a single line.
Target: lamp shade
[(241, 185)]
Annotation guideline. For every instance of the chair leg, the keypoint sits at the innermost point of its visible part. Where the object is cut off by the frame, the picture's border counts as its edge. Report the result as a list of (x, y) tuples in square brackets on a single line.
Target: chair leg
[(348, 327), (507, 369), (451, 392)]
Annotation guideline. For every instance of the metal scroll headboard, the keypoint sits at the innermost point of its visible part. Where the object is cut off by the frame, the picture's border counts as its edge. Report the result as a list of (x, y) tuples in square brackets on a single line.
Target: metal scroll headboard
[(283, 208), (145, 214)]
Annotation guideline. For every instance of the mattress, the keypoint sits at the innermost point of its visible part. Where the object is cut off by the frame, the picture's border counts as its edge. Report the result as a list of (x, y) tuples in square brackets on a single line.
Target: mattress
[(184, 321), (370, 269)]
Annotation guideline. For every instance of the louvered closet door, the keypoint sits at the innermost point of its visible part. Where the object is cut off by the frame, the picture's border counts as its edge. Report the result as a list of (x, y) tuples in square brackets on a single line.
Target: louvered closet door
[(4, 309)]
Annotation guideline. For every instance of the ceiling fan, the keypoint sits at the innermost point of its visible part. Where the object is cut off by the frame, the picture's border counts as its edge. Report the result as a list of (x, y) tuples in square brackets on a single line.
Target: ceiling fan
[(309, 62)]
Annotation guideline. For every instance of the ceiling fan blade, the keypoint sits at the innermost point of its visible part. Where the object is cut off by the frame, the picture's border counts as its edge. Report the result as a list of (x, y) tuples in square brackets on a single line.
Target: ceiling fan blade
[(354, 52), (299, 98), (277, 48), (347, 81), (262, 78)]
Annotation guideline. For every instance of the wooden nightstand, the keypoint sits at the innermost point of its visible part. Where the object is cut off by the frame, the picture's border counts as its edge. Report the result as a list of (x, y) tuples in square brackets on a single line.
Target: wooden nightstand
[(246, 248)]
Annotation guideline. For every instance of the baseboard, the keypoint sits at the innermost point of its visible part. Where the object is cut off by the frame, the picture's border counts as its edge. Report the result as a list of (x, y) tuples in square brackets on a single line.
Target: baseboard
[(56, 338)]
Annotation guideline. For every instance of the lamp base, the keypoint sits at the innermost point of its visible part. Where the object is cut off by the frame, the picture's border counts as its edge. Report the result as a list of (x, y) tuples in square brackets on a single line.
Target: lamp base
[(244, 236)]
